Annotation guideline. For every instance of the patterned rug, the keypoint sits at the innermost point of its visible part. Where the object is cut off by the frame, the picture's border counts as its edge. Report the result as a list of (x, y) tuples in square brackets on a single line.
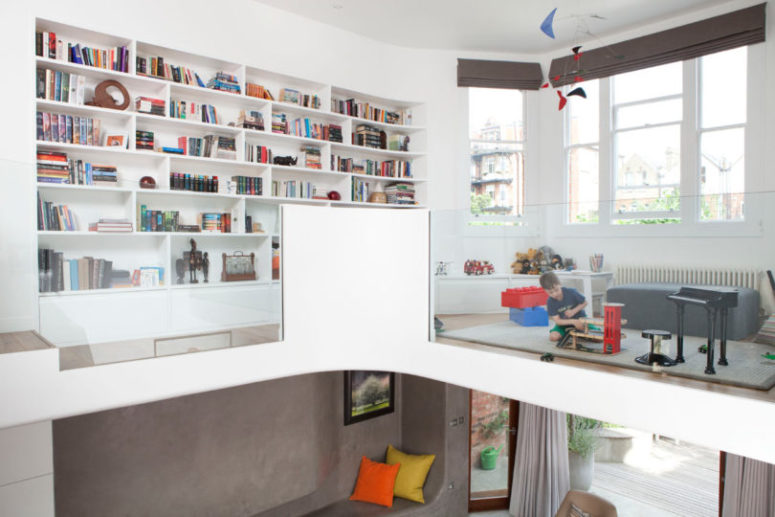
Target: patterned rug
[(747, 368)]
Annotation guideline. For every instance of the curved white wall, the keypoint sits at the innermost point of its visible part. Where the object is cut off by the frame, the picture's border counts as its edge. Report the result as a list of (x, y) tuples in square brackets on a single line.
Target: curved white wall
[(356, 297)]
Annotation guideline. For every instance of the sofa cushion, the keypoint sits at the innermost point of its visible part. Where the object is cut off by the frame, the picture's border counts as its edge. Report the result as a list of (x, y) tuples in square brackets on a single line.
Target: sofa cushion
[(646, 307), (411, 476), (375, 482)]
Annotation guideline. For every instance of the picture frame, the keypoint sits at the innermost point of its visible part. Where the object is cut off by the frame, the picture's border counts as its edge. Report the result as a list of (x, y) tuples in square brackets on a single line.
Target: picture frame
[(367, 395), (116, 139)]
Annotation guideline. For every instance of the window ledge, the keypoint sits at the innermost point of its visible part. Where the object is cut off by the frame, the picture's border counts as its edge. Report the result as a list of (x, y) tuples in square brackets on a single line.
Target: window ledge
[(701, 230)]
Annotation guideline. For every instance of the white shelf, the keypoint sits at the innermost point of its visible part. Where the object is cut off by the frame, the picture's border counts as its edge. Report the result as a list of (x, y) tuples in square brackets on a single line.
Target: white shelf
[(397, 128), (207, 285), (123, 200), (110, 290), (82, 109), (401, 155), (387, 179)]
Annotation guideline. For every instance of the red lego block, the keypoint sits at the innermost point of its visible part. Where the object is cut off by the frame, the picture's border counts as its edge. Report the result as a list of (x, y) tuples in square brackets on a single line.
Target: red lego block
[(523, 297)]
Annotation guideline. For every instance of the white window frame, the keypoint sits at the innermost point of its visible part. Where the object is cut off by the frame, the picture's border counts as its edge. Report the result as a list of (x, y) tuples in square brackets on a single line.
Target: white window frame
[(525, 225), (690, 225)]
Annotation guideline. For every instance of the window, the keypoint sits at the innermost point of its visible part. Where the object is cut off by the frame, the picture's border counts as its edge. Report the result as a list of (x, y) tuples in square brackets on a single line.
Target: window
[(642, 140), (496, 131), (722, 135), (581, 155), (646, 129)]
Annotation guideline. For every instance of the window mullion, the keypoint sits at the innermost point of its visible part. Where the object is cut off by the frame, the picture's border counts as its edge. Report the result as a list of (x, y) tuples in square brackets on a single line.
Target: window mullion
[(605, 155), (690, 142)]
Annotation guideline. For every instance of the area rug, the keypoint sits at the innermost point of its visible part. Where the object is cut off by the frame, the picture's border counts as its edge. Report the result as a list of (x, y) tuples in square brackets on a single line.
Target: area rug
[(747, 368)]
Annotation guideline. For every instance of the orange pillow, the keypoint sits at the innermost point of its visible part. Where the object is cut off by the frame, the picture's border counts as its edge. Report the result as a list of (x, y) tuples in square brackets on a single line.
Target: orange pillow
[(375, 482)]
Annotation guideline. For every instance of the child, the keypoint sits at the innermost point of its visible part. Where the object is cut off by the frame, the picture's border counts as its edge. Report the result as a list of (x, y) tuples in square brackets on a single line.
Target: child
[(565, 306)]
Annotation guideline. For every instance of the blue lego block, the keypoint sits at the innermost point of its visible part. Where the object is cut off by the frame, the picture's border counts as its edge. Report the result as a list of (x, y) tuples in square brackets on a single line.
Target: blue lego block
[(530, 317)]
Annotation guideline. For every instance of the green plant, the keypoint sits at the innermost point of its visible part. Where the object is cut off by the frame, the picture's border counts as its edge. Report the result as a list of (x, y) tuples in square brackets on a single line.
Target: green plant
[(582, 438), (495, 425)]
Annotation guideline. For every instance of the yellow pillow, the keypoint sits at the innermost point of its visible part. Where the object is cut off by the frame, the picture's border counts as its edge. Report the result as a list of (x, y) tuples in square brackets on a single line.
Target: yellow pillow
[(412, 473)]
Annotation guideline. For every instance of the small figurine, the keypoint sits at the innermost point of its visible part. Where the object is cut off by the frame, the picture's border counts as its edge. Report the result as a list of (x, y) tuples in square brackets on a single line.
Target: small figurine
[(192, 263), (180, 270), (205, 266)]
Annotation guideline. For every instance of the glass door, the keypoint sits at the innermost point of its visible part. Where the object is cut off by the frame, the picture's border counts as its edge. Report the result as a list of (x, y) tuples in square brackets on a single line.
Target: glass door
[(492, 442)]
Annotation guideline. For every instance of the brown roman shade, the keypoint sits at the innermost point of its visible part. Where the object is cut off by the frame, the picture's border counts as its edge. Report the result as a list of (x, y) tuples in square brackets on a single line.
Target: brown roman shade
[(724, 32), (499, 74)]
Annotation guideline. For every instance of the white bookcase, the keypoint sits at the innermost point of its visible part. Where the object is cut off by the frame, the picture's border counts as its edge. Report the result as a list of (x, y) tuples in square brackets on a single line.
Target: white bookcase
[(86, 316)]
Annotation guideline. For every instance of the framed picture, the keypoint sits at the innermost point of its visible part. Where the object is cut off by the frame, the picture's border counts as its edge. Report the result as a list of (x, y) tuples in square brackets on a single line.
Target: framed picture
[(116, 139), (368, 395)]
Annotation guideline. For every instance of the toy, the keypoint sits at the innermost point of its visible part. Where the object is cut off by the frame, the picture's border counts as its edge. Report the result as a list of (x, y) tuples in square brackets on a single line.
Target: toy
[(529, 263), (548, 357), (284, 160), (478, 267), (769, 356), (655, 355), (526, 305), (610, 337)]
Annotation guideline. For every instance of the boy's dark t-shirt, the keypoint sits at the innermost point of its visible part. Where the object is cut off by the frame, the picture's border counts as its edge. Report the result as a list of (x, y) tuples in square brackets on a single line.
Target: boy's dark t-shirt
[(570, 298)]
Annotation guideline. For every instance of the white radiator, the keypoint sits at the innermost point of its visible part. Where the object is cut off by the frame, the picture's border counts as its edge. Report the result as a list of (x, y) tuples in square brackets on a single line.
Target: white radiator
[(632, 274)]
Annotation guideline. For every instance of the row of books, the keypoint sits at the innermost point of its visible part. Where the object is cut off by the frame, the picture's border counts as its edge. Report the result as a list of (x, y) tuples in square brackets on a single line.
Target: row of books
[(55, 167), (400, 194), (48, 45), (368, 136), (193, 182), (311, 157), (55, 273), (210, 146), (57, 218), (194, 111), (364, 110), (258, 153), (53, 85), (296, 189), (149, 105), (156, 67), (294, 97), (386, 168), (248, 185), (360, 190), (215, 222), (157, 220), (224, 82), (144, 140), (251, 120), (398, 143), (68, 129), (305, 128), (111, 226), (258, 91)]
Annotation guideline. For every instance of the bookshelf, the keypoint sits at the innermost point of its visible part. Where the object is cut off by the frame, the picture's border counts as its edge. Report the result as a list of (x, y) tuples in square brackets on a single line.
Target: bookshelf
[(169, 307)]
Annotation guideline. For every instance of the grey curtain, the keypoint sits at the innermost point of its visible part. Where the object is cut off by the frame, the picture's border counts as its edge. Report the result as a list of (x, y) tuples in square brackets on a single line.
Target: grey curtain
[(724, 32), (749, 488), (541, 477), (479, 73)]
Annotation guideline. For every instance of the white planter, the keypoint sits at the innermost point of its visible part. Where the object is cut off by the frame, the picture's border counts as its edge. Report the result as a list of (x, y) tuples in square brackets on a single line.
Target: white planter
[(582, 471)]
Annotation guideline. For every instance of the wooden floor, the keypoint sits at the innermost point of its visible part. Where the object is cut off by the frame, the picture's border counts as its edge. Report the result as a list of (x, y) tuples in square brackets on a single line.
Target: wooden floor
[(459, 321), (671, 480)]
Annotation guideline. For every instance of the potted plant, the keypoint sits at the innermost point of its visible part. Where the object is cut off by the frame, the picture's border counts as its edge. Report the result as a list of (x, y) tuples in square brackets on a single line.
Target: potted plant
[(582, 442)]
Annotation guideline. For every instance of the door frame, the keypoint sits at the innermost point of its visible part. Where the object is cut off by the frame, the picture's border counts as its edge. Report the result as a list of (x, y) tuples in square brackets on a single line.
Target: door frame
[(496, 502)]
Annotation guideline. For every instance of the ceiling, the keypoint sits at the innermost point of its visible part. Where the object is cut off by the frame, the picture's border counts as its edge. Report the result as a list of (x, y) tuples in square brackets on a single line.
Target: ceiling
[(488, 25)]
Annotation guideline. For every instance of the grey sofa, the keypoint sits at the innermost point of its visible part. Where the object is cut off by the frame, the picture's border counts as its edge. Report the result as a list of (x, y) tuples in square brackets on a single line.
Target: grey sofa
[(646, 307)]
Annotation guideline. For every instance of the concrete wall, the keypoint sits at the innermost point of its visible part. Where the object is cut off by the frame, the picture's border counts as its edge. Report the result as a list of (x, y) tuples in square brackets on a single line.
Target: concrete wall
[(275, 448)]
